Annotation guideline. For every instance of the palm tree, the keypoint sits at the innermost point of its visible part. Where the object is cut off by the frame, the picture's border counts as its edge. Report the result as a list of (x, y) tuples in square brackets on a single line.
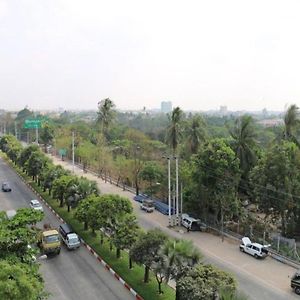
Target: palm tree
[(177, 255), (291, 121), (244, 143), (106, 114), (195, 133), (86, 188), (173, 131)]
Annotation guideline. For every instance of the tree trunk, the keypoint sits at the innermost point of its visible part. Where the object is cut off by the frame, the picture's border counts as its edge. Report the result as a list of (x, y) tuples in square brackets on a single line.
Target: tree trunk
[(159, 280), (283, 223), (110, 246), (61, 203), (118, 252), (85, 225), (101, 237), (137, 188), (130, 262), (68, 207), (146, 275), (222, 223)]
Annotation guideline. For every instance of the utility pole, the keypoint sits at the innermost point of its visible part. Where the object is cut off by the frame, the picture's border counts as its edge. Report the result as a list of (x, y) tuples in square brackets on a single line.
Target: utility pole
[(177, 192), (180, 201), (169, 189), (73, 152)]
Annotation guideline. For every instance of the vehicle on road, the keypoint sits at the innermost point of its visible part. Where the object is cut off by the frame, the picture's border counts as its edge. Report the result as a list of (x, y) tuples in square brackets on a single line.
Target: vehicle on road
[(255, 249), (49, 241), (6, 187), (147, 205), (69, 237), (192, 223), (295, 282), (36, 205)]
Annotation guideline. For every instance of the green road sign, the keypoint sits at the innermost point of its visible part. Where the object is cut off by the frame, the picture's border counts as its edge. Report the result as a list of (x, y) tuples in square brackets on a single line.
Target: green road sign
[(62, 152), (32, 123)]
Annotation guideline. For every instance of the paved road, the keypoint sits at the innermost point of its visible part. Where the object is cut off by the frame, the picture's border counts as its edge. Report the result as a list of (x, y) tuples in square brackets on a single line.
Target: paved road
[(72, 274), (260, 279)]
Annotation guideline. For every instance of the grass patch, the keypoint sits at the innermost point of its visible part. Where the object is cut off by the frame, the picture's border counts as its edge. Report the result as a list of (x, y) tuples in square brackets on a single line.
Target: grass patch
[(133, 277)]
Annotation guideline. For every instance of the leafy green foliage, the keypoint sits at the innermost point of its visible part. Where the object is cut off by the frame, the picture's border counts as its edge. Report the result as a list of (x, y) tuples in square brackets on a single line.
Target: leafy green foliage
[(204, 282), (19, 281)]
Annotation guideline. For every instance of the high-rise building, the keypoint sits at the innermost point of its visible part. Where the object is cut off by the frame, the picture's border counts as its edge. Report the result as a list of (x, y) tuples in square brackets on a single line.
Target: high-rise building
[(166, 106)]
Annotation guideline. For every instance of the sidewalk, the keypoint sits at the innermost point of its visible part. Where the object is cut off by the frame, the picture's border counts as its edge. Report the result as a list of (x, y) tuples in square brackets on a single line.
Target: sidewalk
[(267, 273)]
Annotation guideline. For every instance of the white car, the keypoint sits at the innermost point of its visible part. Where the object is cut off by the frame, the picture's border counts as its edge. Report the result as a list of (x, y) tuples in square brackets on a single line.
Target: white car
[(36, 205), (254, 249)]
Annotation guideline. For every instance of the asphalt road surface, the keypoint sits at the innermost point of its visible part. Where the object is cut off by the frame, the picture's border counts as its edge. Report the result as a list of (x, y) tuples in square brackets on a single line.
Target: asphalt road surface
[(72, 274)]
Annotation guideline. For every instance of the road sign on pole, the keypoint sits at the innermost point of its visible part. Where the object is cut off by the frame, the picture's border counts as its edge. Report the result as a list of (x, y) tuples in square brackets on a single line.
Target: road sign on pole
[(32, 123)]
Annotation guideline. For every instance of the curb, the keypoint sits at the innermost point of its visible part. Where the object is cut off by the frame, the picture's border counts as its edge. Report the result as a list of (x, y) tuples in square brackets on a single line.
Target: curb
[(88, 247)]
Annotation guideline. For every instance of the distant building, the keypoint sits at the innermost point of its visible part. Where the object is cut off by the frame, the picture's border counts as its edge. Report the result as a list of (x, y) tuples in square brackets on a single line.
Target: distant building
[(166, 106), (223, 110)]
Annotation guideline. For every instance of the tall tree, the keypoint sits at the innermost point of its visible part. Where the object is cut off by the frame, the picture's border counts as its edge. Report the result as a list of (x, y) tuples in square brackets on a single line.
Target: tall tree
[(152, 173), (195, 133), (275, 182), (46, 134), (291, 122), (178, 254), (174, 131), (125, 234), (145, 249), (106, 114), (215, 178), (244, 145)]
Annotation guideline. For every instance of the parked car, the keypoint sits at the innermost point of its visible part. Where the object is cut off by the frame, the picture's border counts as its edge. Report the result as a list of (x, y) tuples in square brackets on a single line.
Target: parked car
[(192, 223), (69, 237), (295, 282), (6, 187), (148, 205), (255, 249), (36, 205)]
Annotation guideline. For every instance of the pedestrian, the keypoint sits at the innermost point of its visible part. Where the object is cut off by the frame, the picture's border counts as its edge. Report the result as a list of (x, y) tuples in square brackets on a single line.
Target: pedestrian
[(188, 229)]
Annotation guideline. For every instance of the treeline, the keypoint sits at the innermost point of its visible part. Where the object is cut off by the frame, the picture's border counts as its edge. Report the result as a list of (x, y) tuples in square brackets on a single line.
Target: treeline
[(224, 163), (112, 215)]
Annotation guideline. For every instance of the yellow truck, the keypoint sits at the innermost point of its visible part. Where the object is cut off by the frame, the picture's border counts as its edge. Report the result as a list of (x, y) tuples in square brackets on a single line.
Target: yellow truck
[(49, 241)]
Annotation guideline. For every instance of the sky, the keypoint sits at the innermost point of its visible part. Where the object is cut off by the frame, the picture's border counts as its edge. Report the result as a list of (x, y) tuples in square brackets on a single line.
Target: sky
[(198, 54)]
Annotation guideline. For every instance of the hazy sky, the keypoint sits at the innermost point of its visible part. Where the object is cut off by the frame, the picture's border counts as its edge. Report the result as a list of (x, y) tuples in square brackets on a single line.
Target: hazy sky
[(197, 54)]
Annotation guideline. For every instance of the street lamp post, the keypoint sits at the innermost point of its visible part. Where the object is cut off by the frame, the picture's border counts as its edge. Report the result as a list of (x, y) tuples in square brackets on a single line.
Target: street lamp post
[(169, 189), (177, 192), (73, 151)]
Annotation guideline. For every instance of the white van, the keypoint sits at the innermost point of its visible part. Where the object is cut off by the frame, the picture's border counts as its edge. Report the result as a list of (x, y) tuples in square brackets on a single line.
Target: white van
[(192, 223)]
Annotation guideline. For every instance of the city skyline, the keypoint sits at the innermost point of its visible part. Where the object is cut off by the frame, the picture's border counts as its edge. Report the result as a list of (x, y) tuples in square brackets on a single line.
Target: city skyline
[(200, 55)]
